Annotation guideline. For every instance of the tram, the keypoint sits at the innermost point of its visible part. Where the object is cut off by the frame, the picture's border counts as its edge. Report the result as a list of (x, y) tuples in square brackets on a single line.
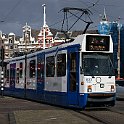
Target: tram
[(75, 74)]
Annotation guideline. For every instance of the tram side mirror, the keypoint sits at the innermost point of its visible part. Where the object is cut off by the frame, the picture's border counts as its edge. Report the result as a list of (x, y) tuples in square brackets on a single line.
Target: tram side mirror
[(81, 70)]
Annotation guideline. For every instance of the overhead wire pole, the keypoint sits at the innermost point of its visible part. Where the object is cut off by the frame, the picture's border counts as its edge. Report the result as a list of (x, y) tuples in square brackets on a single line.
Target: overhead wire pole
[(118, 54), (26, 40)]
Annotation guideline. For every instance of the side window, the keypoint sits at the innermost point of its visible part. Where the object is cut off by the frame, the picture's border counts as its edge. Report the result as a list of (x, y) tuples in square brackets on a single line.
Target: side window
[(17, 75), (50, 66), (7, 74), (61, 65), (40, 68), (73, 62), (21, 70), (32, 68), (12, 71)]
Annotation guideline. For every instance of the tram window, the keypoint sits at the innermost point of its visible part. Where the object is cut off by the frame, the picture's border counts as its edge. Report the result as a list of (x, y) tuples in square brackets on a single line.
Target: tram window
[(73, 72), (73, 62), (12, 70), (61, 65), (21, 70), (17, 75), (50, 66), (40, 68), (7, 74), (32, 69)]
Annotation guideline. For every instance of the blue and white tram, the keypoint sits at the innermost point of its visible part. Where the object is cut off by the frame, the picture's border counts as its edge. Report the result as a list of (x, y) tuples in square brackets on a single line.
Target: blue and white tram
[(75, 74)]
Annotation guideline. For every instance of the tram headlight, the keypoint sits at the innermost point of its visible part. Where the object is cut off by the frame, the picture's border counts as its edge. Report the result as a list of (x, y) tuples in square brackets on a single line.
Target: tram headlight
[(112, 88), (89, 88)]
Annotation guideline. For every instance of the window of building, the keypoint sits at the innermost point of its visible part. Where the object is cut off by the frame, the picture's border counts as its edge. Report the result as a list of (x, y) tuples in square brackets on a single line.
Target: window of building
[(45, 40), (61, 65), (50, 66), (32, 65), (11, 47)]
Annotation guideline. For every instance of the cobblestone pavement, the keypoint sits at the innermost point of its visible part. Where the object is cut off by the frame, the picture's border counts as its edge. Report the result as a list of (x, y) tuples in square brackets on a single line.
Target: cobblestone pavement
[(47, 117), (19, 111)]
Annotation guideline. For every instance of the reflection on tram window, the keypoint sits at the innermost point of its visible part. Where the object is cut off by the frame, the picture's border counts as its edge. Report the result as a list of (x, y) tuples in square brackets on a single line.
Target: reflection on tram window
[(73, 72), (50, 66), (61, 65), (40, 68), (32, 68), (17, 75), (96, 64), (21, 70)]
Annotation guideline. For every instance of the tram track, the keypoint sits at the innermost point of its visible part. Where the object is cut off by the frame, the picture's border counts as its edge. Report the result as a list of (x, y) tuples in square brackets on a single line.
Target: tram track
[(94, 118), (103, 116), (116, 111)]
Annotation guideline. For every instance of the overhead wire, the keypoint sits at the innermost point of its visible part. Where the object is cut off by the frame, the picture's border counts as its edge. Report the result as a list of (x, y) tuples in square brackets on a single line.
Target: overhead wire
[(11, 11), (100, 4), (93, 7)]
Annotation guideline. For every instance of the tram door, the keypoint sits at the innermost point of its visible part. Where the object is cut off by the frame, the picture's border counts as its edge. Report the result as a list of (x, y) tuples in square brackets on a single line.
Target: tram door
[(73, 76)]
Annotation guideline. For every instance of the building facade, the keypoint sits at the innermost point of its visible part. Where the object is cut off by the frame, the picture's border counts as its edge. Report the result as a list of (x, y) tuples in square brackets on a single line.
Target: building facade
[(48, 37), (116, 30), (27, 43)]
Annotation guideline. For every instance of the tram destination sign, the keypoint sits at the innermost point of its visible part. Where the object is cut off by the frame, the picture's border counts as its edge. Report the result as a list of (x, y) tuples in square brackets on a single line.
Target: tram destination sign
[(97, 43)]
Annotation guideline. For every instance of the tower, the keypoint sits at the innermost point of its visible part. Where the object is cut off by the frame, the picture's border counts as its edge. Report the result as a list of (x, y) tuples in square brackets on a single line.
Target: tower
[(44, 25), (45, 37), (104, 26)]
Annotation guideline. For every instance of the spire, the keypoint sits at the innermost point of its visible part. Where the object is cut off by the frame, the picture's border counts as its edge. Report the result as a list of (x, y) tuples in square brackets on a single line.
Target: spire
[(44, 26), (44, 11), (26, 24), (104, 18)]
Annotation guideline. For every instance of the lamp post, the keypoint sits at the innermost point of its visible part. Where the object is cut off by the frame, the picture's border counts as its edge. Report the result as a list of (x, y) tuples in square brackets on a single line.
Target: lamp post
[(2, 71)]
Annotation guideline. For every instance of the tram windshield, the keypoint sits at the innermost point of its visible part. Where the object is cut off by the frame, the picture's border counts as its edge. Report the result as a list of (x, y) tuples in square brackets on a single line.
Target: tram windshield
[(95, 65)]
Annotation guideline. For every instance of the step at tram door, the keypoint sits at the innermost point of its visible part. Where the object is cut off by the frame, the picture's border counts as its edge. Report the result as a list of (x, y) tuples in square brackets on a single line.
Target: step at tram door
[(73, 77)]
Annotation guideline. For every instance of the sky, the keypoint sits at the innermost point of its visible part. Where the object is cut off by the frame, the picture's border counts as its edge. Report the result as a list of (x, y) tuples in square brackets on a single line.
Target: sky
[(15, 13)]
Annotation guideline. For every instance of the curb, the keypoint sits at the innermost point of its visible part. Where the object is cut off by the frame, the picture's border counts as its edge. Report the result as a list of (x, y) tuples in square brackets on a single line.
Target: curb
[(11, 118)]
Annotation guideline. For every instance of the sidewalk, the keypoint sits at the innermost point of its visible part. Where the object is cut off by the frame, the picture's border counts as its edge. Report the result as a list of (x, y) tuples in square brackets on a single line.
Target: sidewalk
[(47, 117)]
